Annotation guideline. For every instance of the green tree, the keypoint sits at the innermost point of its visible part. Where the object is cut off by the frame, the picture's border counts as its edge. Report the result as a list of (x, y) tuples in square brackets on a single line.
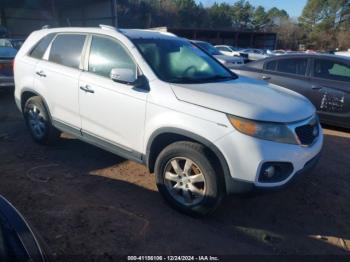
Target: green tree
[(320, 20), (242, 12), (220, 16), (260, 18)]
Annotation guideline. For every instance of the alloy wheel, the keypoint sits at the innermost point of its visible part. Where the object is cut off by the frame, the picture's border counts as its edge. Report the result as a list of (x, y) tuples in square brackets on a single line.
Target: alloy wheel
[(185, 181)]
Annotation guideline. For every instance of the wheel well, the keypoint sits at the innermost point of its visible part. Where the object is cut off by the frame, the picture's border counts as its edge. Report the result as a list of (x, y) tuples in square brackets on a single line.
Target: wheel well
[(163, 140), (25, 96)]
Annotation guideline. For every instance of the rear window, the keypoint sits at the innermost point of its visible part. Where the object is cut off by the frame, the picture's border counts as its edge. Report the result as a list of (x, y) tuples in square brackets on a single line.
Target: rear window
[(40, 48), (66, 49), (328, 69), (295, 66)]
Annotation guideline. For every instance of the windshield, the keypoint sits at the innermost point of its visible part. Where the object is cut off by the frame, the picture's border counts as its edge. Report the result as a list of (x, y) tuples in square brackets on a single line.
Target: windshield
[(178, 61), (208, 48)]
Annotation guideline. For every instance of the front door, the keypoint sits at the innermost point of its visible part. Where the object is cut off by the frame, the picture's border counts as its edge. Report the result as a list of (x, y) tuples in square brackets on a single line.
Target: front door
[(111, 112)]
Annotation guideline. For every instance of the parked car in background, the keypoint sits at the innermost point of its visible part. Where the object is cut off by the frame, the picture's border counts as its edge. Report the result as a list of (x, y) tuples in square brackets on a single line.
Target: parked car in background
[(255, 54), (324, 79), (228, 61), (7, 55), (162, 101), (228, 50), (278, 52), (13, 43), (232, 51), (343, 53)]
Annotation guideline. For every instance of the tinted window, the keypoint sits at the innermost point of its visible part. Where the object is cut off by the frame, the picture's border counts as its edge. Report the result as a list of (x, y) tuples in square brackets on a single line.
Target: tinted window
[(40, 48), (271, 65), (66, 50), (332, 70), (106, 54), (296, 66)]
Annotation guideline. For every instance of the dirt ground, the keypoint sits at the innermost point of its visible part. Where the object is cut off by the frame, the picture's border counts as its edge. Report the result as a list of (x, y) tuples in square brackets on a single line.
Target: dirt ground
[(84, 201)]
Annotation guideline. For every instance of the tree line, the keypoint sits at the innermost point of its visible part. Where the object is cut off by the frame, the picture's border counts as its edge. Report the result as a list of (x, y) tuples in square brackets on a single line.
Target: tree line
[(324, 24)]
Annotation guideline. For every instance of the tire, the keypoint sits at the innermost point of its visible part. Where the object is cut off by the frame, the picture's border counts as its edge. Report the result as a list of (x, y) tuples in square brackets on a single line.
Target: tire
[(38, 121), (195, 188)]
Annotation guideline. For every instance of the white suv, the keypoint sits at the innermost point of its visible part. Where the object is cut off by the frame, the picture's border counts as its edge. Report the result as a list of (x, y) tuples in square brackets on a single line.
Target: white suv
[(157, 99)]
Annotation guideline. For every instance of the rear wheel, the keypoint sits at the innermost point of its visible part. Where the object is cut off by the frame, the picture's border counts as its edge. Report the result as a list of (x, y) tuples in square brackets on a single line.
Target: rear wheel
[(187, 178), (38, 121)]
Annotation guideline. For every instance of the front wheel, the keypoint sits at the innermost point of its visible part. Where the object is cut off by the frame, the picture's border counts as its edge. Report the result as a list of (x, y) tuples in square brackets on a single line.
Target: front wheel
[(187, 178)]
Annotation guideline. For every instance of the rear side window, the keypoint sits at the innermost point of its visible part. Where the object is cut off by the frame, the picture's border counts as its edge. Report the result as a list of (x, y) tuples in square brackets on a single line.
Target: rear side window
[(66, 49), (295, 66), (106, 54), (331, 70), (271, 66), (40, 48)]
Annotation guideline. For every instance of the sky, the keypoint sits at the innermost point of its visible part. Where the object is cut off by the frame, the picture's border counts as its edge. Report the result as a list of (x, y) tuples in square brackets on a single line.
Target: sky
[(293, 7)]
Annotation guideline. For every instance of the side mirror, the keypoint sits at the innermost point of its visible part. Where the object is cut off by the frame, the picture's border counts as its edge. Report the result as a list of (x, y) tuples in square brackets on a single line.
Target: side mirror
[(123, 75)]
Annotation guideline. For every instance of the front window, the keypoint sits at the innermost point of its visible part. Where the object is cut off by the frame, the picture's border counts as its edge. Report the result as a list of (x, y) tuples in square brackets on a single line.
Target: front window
[(107, 54), (178, 61), (332, 70)]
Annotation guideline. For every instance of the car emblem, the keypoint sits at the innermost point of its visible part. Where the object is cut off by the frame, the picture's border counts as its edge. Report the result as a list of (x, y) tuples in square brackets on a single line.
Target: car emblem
[(315, 131)]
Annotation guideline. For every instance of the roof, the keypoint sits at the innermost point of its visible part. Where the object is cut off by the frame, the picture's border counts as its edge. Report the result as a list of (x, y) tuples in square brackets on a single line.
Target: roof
[(130, 33), (317, 55), (300, 55)]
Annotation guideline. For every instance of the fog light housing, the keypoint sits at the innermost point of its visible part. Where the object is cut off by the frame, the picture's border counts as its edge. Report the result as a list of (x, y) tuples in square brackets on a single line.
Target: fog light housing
[(274, 172)]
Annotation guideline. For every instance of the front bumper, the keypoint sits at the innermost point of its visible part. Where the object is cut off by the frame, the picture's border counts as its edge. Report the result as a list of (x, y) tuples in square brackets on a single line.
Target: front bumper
[(246, 155)]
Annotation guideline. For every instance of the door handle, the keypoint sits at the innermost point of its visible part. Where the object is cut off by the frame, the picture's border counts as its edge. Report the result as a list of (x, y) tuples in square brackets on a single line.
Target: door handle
[(87, 89), (41, 73), (266, 77), (316, 87)]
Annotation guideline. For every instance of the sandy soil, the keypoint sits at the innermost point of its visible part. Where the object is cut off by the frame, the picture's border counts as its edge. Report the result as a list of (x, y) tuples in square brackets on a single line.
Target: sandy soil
[(85, 201)]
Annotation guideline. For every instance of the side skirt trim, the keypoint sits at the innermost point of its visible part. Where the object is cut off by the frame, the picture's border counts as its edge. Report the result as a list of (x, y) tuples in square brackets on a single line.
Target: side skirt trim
[(99, 142)]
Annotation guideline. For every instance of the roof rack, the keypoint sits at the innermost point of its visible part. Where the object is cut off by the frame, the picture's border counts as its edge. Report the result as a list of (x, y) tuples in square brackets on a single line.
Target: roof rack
[(108, 27), (45, 27)]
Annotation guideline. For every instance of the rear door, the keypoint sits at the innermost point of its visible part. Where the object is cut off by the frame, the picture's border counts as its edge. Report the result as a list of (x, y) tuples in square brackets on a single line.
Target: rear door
[(331, 89), (291, 73), (57, 76)]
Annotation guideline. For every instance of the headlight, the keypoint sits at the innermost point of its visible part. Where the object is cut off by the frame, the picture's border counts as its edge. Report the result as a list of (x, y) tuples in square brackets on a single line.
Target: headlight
[(263, 130)]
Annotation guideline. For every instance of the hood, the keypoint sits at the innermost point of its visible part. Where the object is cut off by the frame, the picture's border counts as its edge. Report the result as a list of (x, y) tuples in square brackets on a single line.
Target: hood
[(228, 58), (248, 98)]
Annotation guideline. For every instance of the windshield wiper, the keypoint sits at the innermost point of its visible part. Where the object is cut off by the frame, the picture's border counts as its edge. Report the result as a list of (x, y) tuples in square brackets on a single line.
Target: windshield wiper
[(188, 80), (217, 77)]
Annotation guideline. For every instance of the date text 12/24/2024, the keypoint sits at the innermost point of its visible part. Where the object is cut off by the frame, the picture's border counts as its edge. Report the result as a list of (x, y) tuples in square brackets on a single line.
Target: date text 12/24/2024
[(173, 258)]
